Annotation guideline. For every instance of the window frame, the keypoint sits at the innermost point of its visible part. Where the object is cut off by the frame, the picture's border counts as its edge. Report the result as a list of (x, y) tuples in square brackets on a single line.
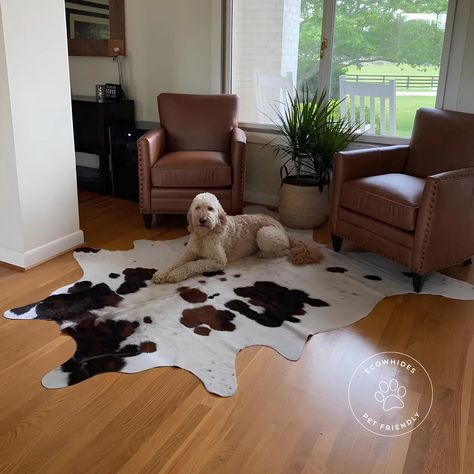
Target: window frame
[(262, 133)]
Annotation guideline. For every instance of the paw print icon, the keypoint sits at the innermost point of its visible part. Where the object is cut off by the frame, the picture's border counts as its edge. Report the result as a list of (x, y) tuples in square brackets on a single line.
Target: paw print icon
[(390, 395)]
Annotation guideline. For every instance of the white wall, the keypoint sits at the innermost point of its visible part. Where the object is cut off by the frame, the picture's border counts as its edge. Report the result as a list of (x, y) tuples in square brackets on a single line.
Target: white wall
[(170, 47), (11, 236), (39, 193), (262, 182)]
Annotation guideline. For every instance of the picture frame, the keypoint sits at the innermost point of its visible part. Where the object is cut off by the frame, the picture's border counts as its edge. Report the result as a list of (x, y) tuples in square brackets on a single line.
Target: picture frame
[(113, 92)]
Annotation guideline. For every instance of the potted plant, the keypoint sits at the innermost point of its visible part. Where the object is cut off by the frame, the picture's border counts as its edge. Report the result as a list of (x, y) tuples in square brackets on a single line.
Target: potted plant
[(312, 132)]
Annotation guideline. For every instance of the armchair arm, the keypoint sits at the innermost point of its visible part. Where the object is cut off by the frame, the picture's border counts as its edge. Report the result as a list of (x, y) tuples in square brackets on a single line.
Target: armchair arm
[(444, 232), (238, 145), (355, 164), (151, 146)]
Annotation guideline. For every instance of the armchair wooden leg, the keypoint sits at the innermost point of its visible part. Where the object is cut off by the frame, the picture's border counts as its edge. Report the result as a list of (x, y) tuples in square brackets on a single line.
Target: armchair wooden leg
[(467, 262), (336, 242), (147, 219), (418, 281)]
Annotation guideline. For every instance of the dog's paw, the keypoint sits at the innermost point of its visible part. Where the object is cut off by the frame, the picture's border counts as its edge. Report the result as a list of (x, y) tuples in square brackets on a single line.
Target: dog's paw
[(159, 277)]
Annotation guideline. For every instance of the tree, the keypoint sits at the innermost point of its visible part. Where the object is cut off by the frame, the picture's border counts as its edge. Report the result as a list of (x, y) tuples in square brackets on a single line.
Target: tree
[(371, 30), (423, 6), (420, 43)]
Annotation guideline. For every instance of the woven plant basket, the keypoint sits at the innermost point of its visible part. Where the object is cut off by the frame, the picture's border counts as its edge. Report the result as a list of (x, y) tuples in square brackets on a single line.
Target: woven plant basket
[(303, 207)]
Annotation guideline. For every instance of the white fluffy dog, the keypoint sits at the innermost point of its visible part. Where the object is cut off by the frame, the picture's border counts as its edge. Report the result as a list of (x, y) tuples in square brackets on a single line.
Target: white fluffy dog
[(217, 238)]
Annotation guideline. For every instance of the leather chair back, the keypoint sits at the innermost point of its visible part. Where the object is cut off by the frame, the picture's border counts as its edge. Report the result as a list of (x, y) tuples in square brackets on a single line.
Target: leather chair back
[(198, 122), (442, 140)]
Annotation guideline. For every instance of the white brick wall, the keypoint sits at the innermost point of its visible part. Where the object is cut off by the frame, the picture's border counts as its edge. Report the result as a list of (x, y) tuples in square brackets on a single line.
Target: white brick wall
[(265, 39), (291, 36)]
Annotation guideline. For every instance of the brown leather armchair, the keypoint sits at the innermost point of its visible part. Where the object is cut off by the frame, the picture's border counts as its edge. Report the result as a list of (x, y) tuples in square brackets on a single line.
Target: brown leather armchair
[(199, 148), (413, 204)]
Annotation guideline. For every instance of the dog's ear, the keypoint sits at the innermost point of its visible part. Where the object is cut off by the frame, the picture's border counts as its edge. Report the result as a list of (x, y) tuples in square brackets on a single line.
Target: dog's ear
[(221, 214), (190, 220)]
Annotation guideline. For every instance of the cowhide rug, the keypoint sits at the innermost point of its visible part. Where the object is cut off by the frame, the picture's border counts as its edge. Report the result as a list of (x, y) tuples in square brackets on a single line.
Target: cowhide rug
[(122, 322)]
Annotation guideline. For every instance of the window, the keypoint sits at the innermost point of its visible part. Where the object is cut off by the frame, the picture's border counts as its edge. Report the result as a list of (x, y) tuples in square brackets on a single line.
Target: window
[(265, 46), (384, 56)]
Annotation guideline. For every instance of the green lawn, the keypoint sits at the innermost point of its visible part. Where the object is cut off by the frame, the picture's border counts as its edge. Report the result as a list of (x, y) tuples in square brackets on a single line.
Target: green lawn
[(406, 108), (389, 69)]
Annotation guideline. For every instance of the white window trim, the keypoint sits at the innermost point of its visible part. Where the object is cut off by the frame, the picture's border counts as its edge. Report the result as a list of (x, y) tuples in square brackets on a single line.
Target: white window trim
[(217, 46), (446, 54), (262, 133), (258, 136), (227, 47), (454, 53)]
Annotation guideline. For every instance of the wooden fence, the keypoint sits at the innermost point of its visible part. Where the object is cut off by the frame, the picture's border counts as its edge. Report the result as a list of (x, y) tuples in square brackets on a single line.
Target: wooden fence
[(403, 82)]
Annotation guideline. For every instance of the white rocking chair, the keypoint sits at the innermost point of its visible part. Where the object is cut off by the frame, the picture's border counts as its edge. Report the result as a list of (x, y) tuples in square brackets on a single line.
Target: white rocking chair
[(372, 91), (272, 92)]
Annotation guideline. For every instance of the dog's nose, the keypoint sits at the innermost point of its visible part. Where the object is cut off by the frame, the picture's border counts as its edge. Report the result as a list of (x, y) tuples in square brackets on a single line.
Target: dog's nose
[(202, 220)]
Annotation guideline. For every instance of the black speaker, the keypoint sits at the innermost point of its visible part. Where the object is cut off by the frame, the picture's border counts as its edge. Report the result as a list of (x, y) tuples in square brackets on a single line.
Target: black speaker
[(124, 161)]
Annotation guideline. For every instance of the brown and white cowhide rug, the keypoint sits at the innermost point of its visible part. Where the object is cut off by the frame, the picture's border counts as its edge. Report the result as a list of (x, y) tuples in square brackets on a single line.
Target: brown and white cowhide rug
[(121, 322)]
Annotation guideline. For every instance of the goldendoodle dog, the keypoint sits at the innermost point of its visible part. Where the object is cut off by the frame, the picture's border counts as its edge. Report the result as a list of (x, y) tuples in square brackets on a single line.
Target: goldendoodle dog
[(217, 239)]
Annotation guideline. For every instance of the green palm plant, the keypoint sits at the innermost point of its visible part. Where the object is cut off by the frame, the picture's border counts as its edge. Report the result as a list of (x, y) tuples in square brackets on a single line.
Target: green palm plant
[(312, 131)]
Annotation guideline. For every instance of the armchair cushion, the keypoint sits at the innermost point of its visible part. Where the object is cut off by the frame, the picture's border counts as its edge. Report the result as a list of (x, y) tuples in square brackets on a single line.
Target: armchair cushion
[(184, 169), (391, 198)]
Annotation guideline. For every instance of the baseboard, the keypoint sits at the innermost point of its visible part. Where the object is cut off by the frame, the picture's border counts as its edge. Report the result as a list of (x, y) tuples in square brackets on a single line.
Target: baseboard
[(41, 254), (12, 258), (262, 198)]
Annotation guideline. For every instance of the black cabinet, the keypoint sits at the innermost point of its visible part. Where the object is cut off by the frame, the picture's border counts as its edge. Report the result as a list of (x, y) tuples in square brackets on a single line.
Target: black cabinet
[(92, 121), (124, 154)]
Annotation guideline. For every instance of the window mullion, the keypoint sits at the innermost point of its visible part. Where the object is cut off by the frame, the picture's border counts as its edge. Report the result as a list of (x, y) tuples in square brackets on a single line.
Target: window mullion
[(329, 22)]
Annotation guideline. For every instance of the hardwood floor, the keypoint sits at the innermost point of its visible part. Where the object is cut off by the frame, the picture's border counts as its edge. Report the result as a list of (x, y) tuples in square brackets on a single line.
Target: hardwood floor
[(287, 417)]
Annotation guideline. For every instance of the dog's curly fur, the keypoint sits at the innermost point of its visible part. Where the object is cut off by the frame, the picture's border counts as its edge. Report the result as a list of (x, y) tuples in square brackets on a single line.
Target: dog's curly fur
[(216, 238)]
